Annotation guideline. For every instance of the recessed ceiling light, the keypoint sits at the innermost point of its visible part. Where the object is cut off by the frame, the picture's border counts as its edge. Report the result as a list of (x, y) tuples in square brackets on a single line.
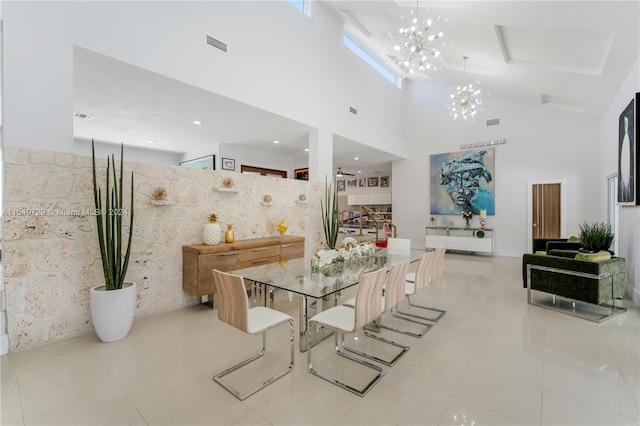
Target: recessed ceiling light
[(306, 150), (356, 158), (150, 141), (276, 141), (359, 171), (197, 122)]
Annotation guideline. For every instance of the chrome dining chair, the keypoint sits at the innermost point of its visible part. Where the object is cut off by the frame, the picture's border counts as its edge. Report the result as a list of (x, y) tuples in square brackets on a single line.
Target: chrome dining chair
[(234, 309), (393, 294), (425, 273), (343, 319)]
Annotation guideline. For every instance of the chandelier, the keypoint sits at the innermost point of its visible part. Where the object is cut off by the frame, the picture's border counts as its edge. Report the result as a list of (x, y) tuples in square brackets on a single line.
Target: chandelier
[(465, 98), (416, 45)]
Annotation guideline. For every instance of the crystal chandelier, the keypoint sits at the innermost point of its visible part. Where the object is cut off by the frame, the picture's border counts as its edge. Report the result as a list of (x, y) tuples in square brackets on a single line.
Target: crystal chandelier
[(417, 46), (465, 98)]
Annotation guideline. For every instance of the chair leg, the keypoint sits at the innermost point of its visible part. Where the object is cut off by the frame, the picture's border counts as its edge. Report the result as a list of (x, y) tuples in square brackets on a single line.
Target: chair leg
[(436, 319), (404, 349), (219, 377), (359, 392), (396, 314)]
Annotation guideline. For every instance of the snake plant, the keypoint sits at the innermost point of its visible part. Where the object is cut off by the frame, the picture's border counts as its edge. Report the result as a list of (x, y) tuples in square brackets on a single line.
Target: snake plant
[(330, 215), (109, 212)]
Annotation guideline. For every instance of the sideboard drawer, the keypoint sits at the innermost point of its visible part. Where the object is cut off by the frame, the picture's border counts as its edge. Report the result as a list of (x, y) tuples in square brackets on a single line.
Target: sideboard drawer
[(258, 253), (258, 262), (291, 251)]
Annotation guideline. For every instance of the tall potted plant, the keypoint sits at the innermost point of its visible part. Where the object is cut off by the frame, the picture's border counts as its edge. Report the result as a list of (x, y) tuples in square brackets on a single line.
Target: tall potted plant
[(330, 216), (113, 304)]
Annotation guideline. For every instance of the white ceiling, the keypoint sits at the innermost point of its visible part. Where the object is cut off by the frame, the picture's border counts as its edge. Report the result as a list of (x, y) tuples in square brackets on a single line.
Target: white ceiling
[(570, 55)]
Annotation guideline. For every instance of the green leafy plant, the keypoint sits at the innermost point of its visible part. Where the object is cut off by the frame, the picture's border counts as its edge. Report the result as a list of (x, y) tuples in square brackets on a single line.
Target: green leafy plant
[(109, 213), (596, 236), (330, 216)]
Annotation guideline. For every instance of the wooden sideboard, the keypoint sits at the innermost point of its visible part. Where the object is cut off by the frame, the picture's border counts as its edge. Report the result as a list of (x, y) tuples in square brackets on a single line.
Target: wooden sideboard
[(199, 260)]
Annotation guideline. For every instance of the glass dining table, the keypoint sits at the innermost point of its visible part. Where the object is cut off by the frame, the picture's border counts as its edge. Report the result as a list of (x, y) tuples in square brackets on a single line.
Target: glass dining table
[(318, 289)]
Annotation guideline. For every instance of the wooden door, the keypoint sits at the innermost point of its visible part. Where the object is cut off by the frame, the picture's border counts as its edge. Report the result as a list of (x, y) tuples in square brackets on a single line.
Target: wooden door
[(546, 210)]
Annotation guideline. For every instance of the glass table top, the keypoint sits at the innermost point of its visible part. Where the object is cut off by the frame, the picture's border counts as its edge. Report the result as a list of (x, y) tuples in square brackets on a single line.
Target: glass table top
[(295, 275)]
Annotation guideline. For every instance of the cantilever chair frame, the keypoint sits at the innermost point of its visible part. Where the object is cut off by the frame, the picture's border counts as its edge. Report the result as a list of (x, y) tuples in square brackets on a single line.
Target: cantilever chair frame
[(232, 291), (368, 306), (425, 274), (393, 294)]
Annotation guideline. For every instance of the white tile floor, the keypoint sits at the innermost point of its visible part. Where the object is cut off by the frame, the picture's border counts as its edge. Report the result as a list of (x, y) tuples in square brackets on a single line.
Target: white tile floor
[(491, 360)]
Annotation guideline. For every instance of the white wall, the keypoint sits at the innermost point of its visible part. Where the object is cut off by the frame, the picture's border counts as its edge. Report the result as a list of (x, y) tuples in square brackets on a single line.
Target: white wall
[(132, 153), (267, 64), (628, 217), (541, 144)]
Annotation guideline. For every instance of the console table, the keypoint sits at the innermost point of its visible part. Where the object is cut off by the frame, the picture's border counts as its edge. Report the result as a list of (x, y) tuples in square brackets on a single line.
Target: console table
[(475, 240), (199, 260)]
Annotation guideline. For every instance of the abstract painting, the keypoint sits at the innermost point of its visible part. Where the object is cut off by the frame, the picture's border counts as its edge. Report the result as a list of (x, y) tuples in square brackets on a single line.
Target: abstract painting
[(463, 181)]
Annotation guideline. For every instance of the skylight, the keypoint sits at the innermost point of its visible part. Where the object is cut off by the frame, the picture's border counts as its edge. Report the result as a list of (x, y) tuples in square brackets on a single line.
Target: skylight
[(298, 4), (368, 59)]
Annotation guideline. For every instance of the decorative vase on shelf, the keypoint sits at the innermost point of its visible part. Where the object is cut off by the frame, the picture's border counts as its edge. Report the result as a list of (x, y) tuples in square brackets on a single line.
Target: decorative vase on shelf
[(282, 226), (228, 236), (211, 232)]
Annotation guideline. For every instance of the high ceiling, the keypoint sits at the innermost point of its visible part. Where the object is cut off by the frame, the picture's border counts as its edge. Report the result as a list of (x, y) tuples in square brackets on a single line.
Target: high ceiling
[(569, 55)]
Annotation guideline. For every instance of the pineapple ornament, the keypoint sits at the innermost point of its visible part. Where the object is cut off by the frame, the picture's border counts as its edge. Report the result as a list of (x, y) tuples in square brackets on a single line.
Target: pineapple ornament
[(211, 231)]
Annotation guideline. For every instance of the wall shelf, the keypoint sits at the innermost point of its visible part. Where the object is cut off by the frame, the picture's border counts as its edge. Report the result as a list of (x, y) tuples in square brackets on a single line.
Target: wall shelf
[(222, 189)]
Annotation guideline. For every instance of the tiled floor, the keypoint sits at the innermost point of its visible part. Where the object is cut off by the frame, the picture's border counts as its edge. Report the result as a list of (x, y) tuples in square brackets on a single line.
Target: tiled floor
[(491, 360)]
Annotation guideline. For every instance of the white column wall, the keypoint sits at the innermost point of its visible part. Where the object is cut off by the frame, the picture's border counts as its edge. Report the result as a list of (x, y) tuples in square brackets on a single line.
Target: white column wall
[(628, 217)]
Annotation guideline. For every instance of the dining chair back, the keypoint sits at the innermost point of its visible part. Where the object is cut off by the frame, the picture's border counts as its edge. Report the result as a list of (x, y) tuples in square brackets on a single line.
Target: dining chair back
[(398, 246), (234, 310)]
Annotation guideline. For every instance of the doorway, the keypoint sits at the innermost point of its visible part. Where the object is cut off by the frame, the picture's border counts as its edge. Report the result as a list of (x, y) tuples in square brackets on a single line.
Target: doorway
[(546, 210)]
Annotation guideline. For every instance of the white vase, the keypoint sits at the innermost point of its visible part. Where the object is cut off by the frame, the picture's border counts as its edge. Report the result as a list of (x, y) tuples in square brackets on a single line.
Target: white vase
[(112, 311), (211, 234)]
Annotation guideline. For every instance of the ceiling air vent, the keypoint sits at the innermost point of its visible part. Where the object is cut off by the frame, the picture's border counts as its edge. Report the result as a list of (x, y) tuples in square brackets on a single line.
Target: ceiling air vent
[(493, 122), (353, 111), (216, 43), (82, 116)]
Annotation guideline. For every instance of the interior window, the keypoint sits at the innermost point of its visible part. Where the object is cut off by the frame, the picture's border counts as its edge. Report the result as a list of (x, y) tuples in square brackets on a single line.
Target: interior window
[(251, 170)]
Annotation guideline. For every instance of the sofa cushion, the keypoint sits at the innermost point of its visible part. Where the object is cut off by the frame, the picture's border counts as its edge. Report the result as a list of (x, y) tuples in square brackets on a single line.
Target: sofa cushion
[(600, 256)]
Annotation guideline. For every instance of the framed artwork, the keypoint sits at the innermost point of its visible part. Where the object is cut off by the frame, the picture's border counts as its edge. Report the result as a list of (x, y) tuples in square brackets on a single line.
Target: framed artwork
[(204, 163), (340, 184), (384, 181), (362, 182), (372, 181), (228, 164), (628, 159), (463, 181), (351, 183), (301, 174)]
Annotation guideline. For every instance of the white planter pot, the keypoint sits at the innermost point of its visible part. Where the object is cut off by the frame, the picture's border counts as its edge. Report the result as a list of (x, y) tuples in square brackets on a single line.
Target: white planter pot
[(112, 311)]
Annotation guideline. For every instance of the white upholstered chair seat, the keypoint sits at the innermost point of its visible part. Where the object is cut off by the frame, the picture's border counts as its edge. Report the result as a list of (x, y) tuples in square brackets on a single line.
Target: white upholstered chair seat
[(262, 319)]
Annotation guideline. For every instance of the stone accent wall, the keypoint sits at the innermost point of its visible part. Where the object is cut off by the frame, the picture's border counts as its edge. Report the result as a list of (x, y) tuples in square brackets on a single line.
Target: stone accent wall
[(50, 252)]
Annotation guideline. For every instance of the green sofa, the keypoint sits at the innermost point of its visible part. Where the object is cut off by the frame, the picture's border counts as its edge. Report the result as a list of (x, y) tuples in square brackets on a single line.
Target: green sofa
[(585, 281)]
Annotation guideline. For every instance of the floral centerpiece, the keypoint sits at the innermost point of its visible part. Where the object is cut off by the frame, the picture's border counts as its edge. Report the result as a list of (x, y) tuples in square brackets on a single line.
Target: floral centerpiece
[(467, 216), (349, 250)]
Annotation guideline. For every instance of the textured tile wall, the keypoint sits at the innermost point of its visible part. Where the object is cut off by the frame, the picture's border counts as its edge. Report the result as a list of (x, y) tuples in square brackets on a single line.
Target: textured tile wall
[(50, 252)]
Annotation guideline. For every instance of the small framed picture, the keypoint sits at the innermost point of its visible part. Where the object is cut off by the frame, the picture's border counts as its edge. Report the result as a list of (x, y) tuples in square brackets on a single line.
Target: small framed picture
[(351, 183), (372, 181), (384, 181), (340, 185), (228, 164), (203, 163), (362, 182)]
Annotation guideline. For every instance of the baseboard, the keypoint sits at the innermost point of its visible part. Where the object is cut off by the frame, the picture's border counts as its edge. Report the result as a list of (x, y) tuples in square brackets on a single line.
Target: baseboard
[(633, 293)]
